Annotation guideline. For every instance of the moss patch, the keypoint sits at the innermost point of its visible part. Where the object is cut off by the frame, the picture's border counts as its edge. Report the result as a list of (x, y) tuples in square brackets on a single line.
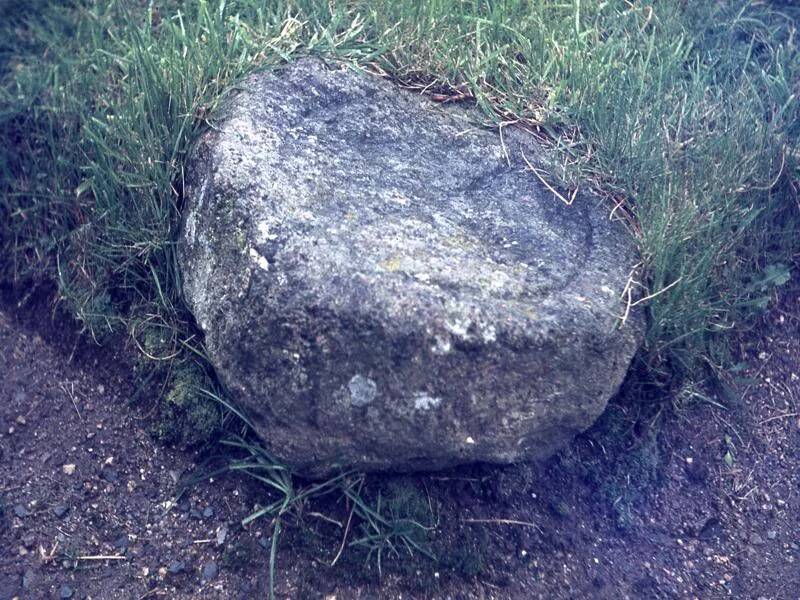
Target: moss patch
[(186, 416)]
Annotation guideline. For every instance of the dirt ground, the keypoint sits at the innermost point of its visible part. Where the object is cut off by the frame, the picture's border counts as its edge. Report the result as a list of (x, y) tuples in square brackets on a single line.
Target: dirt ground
[(675, 499)]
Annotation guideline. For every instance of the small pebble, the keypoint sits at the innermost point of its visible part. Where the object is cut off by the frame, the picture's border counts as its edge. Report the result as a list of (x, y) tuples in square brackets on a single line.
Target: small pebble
[(28, 579), (772, 534), (121, 543), (176, 567), (21, 511), (756, 539), (60, 510), (66, 591), (208, 512), (210, 570), (222, 533), (110, 475)]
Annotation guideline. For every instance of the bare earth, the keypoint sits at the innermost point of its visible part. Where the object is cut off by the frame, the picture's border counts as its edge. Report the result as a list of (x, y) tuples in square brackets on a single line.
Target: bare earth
[(699, 502)]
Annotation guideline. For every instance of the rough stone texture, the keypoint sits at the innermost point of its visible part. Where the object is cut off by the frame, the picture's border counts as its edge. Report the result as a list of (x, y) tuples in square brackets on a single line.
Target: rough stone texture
[(383, 285)]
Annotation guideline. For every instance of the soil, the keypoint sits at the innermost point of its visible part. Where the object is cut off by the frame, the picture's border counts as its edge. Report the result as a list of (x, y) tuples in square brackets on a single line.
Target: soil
[(673, 498)]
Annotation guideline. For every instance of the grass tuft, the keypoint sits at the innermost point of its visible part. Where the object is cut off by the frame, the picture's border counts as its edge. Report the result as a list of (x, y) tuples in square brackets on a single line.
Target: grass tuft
[(396, 522)]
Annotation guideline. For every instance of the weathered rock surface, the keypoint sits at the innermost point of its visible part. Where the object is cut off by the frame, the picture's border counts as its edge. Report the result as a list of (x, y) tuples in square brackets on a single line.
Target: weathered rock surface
[(383, 285)]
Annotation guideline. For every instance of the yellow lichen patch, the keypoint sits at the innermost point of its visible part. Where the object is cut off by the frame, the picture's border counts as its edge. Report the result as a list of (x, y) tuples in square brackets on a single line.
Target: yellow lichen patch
[(391, 264)]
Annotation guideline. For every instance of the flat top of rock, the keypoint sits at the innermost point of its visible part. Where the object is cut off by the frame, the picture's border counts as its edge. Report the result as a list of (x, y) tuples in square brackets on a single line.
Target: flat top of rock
[(359, 196)]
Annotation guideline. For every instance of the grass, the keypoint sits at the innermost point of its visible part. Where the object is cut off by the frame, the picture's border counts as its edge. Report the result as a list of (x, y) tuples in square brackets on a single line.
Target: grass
[(685, 114), (396, 524)]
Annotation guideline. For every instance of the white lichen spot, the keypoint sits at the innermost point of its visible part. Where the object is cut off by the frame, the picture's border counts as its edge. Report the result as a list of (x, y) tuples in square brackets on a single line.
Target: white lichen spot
[(498, 280), (203, 192), (423, 277), (400, 199), (362, 390), (423, 401), (262, 262), (459, 327), (264, 233), (191, 227), (442, 345), (467, 330), (489, 333)]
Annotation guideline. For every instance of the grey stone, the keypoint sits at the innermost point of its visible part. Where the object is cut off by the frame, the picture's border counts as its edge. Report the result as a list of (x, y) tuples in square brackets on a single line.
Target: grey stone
[(385, 285), (176, 566), (109, 474), (222, 533), (210, 571), (28, 579), (121, 543)]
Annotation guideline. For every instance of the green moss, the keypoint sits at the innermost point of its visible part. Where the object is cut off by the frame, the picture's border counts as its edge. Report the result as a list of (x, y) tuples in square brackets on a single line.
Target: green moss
[(187, 417)]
